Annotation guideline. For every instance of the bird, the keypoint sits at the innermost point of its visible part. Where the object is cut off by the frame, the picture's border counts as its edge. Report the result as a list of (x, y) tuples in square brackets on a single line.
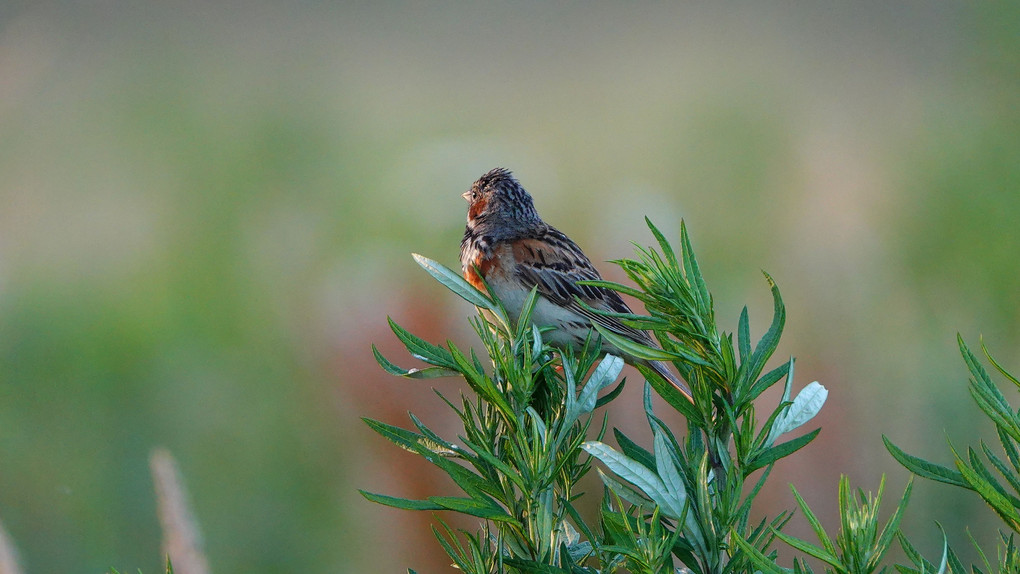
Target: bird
[(509, 248)]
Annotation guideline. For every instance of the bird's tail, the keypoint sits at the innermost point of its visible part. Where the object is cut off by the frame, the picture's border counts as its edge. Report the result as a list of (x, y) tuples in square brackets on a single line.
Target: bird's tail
[(661, 368)]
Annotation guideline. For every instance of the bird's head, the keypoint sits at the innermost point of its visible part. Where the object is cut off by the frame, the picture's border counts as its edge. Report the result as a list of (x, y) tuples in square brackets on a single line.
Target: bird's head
[(497, 198)]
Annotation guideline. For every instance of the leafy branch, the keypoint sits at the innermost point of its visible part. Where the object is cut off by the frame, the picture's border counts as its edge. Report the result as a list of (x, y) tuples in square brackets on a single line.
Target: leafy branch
[(1000, 488), (529, 417)]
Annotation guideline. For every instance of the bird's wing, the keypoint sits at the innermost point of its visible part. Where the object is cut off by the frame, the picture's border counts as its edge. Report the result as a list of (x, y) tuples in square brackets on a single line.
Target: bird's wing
[(555, 264)]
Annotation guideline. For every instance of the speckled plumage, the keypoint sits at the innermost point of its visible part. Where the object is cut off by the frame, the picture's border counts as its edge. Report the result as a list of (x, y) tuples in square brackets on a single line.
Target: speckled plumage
[(507, 243)]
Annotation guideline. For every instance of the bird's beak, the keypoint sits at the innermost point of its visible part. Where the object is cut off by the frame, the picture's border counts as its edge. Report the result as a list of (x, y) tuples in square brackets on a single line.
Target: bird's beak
[(466, 195)]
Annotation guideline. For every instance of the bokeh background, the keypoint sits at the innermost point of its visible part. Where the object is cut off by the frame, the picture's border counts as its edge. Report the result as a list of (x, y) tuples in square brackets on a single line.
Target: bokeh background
[(207, 211)]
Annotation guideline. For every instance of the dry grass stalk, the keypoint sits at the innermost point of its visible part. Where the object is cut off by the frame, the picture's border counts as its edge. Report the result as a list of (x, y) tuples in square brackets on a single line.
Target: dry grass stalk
[(182, 541), (8, 555)]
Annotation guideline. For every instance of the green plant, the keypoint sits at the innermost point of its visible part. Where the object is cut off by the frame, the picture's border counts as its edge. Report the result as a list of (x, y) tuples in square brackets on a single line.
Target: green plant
[(973, 473), (858, 547), (699, 482), (526, 427), (523, 430)]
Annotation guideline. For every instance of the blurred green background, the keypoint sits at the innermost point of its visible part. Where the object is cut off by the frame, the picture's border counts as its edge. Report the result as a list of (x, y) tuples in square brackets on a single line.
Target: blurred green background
[(207, 210)]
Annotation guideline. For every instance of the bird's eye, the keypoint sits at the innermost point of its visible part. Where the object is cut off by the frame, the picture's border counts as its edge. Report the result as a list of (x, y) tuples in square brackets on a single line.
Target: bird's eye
[(474, 195)]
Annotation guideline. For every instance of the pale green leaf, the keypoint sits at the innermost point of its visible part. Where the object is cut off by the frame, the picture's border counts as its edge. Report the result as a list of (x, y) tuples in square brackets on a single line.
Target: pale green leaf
[(635, 473), (805, 406)]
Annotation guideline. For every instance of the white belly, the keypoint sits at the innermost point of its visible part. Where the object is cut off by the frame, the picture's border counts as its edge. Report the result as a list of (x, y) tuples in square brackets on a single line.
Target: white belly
[(569, 328)]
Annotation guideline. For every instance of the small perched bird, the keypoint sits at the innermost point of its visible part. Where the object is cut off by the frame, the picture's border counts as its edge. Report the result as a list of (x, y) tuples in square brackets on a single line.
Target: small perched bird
[(508, 245)]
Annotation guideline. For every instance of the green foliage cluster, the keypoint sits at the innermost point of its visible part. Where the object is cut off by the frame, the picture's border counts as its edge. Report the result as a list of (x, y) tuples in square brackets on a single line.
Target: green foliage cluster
[(526, 429), (532, 430), (972, 473)]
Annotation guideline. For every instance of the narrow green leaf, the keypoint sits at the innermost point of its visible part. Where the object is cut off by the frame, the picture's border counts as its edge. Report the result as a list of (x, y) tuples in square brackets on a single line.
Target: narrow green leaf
[(1003, 469), (779, 451), (645, 323), (657, 425), (998, 367), (987, 395), (667, 249), (693, 270), (421, 349), (504, 469), (524, 320), (452, 547), (672, 395), (401, 437), (401, 503), (811, 550), (763, 563), (770, 340), (764, 438), (642, 322), (973, 365), (816, 525), (979, 467), (915, 557), (635, 349), (408, 440), (768, 379), (944, 563), (473, 507), (454, 282), (955, 565), (745, 507), (576, 517), (429, 434), (426, 373), (893, 525), (608, 397), (1009, 445), (532, 567), (744, 335), (481, 384), (623, 491), (386, 364), (990, 494), (468, 481), (994, 405), (634, 450), (431, 373), (613, 286), (923, 468)]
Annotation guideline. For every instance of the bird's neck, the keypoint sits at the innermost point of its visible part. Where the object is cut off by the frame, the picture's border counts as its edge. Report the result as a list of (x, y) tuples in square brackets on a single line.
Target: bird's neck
[(497, 230)]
